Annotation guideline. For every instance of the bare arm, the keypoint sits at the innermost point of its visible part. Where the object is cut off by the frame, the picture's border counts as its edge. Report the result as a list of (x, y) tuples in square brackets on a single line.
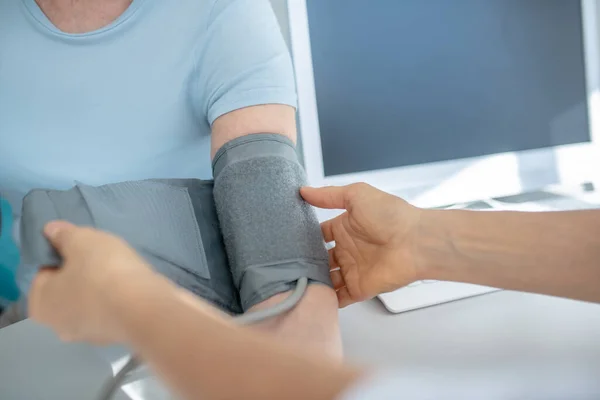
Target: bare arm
[(269, 118), (554, 253), (196, 349), (213, 359), (382, 243), (314, 322)]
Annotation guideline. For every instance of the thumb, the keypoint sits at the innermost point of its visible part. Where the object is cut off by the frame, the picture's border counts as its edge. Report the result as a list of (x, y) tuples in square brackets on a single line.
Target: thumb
[(59, 233), (330, 197)]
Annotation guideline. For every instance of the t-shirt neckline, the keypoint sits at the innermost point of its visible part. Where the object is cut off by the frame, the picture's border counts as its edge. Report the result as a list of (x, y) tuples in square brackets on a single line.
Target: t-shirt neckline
[(41, 18)]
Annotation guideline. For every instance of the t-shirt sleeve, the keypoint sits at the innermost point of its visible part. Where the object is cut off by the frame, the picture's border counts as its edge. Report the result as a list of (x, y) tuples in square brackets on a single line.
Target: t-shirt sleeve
[(244, 61)]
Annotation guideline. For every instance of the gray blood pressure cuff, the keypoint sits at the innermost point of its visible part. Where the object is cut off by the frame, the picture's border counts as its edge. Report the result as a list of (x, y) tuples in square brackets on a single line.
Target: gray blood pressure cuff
[(271, 235), (172, 223)]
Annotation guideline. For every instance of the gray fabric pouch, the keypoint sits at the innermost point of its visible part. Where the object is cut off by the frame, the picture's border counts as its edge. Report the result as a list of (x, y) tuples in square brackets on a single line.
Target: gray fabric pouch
[(172, 223)]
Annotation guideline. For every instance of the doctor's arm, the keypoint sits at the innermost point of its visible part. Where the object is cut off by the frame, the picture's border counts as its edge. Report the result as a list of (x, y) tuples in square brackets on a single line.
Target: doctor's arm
[(383, 243), (205, 356), (553, 253), (196, 350)]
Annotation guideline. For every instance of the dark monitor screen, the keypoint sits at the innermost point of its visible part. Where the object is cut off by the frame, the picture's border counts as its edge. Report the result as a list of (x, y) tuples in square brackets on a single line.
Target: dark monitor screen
[(405, 82)]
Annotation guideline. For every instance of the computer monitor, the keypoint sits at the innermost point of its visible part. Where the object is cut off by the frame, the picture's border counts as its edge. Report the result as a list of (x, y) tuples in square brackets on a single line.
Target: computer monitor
[(447, 101)]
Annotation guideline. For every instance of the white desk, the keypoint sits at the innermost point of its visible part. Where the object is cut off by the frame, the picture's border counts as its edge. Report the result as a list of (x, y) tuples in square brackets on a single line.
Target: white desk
[(540, 347), (537, 346)]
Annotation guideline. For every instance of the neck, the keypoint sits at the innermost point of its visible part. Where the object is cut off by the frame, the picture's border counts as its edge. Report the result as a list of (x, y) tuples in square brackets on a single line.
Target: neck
[(80, 16)]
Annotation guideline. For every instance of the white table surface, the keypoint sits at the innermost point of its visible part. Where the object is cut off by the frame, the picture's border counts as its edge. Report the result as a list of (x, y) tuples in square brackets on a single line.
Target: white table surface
[(531, 346), (536, 346)]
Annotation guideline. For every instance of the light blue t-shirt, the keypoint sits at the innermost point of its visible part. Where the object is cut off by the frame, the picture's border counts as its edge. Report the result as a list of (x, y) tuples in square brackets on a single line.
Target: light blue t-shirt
[(135, 99)]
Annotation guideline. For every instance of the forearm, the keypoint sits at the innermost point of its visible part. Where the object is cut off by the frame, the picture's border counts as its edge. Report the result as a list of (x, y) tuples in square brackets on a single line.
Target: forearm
[(201, 354), (550, 253)]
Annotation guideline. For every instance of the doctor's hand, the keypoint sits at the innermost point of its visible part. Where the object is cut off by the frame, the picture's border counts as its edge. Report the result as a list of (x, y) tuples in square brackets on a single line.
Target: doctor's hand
[(80, 300), (374, 240)]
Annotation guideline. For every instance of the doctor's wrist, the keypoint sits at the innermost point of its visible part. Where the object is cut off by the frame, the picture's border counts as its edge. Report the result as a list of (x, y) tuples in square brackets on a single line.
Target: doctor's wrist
[(434, 247)]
